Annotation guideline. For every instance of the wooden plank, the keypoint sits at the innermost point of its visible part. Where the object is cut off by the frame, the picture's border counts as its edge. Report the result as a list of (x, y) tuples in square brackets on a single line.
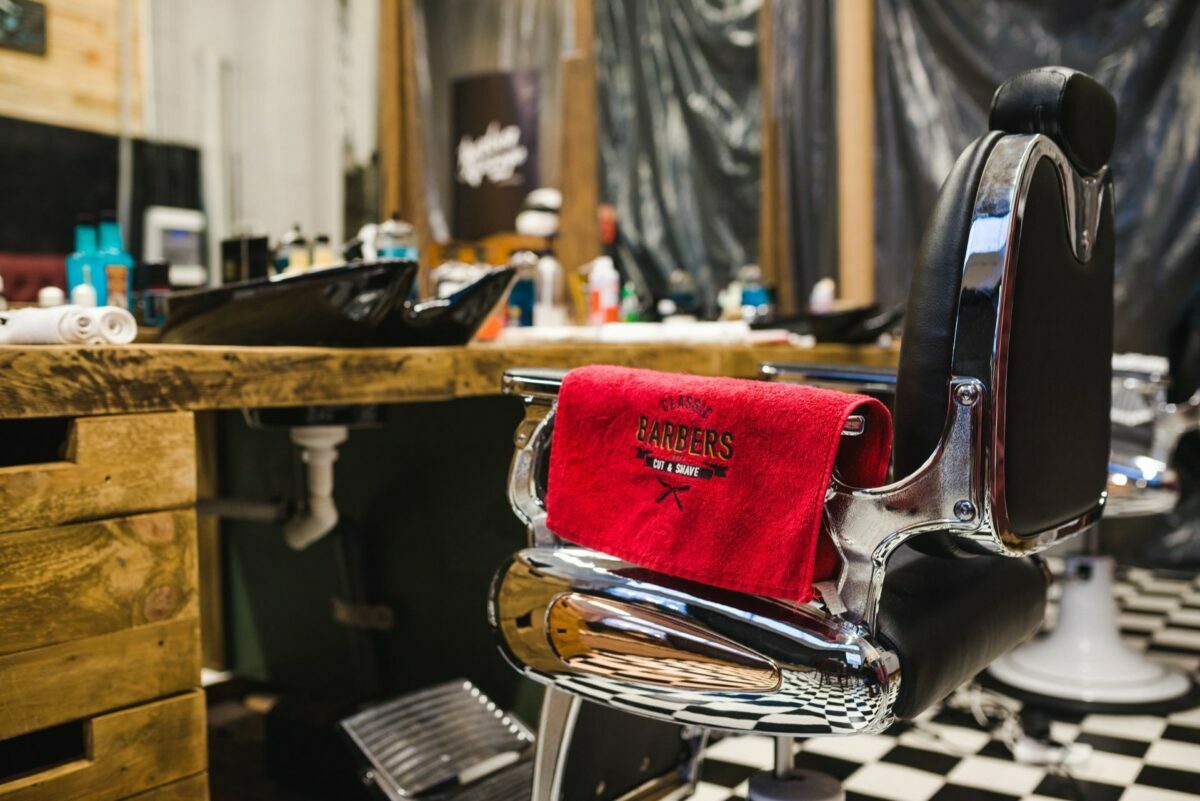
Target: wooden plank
[(80, 581), (193, 788), (114, 466), (58, 381), (62, 380), (480, 368), (60, 683), (774, 251), (76, 84), (130, 751), (390, 137), (208, 546), (579, 224), (856, 150)]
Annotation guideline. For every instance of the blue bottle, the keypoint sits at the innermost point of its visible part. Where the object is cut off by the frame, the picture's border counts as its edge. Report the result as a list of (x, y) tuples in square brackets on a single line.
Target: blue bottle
[(85, 255), (116, 266)]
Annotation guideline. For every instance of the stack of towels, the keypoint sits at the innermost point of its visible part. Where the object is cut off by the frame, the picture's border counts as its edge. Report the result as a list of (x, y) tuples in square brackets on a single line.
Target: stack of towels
[(67, 325)]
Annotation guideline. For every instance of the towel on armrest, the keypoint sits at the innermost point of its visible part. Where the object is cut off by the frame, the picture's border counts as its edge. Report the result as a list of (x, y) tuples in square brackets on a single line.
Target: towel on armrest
[(716, 480)]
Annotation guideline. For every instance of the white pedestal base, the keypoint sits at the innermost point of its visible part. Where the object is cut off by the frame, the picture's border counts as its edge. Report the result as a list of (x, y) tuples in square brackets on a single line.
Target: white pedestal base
[(1084, 660)]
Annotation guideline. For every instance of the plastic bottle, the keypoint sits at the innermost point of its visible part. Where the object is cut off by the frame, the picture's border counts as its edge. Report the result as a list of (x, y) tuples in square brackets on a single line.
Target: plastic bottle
[(84, 293), (154, 284), (604, 291), (756, 298), (548, 308), (396, 239), (50, 296), (114, 280), (85, 251), (322, 253), (631, 305)]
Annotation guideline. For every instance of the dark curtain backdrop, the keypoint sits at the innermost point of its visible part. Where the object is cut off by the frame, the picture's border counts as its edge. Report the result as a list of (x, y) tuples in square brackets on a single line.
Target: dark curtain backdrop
[(806, 113), (680, 141), (937, 63)]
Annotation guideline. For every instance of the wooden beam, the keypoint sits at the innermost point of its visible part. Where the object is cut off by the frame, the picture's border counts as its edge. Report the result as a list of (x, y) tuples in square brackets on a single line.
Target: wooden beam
[(856, 150), (390, 120), (579, 225), (774, 247), (66, 381)]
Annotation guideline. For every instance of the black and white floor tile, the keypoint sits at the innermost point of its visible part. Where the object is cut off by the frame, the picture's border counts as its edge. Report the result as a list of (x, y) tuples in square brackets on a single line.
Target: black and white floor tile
[(947, 756)]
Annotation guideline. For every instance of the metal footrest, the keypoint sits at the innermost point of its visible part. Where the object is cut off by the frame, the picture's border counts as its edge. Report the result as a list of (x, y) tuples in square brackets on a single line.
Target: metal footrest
[(447, 741)]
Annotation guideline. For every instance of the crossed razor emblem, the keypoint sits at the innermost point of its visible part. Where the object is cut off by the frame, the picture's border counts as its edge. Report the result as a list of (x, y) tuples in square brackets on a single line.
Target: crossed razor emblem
[(673, 491)]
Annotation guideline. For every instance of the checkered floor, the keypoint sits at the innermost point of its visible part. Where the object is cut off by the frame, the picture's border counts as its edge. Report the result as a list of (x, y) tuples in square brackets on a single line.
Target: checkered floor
[(947, 756)]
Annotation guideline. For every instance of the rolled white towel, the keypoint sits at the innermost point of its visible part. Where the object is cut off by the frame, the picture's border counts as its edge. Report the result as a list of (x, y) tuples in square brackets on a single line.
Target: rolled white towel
[(58, 325), (66, 325), (117, 325)]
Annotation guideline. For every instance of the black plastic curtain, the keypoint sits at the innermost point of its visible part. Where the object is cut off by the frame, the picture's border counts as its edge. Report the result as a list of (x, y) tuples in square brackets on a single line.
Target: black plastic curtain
[(680, 143), (937, 63), (806, 115)]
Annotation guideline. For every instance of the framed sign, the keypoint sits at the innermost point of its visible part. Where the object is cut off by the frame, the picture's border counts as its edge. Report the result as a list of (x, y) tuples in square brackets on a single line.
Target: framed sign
[(23, 26), (495, 150)]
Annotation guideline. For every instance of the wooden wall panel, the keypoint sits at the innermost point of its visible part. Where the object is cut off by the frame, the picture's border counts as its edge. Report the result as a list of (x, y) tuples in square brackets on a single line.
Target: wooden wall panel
[(60, 683), (131, 751), (856, 150), (73, 582), (76, 84)]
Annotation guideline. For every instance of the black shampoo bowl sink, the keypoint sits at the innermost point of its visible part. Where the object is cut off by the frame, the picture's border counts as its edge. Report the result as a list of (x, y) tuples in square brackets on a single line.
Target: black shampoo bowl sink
[(359, 305)]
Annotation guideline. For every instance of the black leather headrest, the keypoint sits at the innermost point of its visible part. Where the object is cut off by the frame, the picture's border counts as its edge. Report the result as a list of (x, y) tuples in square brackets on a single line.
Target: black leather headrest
[(1068, 106)]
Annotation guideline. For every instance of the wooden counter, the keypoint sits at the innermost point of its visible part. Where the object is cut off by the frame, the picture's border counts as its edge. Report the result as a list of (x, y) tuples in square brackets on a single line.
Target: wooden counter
[(106, 574), (57, 381)]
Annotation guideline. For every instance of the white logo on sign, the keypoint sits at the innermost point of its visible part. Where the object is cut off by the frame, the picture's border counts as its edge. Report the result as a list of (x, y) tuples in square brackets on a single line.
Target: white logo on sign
[(495, 155)]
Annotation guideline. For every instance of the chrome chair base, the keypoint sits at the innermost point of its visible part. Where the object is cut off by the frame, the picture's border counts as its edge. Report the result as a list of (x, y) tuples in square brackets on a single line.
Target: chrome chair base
[(801, 785), (1084, 662)]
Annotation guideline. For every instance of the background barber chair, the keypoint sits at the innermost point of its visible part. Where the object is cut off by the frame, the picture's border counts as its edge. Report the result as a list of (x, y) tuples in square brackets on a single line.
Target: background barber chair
[(1000, 450), (1083, 665)]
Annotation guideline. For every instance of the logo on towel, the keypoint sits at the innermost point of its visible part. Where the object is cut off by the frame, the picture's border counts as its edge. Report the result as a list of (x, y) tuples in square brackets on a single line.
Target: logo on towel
[(710, 447)]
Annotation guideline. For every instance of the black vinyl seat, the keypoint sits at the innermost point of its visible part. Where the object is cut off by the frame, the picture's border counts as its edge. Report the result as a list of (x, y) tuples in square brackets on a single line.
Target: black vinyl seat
[(1002, 402)]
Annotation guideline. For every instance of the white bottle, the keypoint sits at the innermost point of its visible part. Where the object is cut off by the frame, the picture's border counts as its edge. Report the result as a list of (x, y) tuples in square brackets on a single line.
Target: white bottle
[(547, 306), (84, 294), (604, 291), (50, 296)]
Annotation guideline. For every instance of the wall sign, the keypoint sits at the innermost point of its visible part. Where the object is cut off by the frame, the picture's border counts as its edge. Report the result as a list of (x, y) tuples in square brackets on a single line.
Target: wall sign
[(495, 150), (23, 26)]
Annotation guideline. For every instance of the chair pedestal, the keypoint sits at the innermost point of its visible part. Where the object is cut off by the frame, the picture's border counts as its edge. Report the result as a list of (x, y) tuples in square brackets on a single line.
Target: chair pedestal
[(1083, 662), (787, 783)]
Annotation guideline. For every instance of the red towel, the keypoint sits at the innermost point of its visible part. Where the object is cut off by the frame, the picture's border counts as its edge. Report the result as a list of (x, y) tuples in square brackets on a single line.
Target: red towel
[(716, 480)]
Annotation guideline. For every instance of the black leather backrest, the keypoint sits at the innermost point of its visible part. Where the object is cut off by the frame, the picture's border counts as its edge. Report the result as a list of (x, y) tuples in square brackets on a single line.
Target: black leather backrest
[(1068, 106), (926, 349), (1059, 392), (1057, 397)]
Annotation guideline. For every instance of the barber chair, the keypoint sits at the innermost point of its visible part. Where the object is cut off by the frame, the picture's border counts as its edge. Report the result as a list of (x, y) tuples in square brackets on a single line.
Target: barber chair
[(1083, 665), (1000, 451)]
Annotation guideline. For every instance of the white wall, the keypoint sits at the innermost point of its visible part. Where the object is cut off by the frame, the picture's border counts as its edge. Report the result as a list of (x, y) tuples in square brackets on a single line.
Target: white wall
[(277, 93)]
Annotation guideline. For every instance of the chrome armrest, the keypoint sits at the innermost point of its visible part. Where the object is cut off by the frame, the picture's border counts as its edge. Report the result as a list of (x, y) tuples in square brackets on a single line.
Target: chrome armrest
[(867, 380), (539, 390)]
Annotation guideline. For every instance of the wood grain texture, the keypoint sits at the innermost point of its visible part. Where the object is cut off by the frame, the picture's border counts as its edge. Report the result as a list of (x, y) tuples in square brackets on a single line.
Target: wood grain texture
[(855, 65), (481, 368), (208, 545), (61, 380), (76, 84), (131, 751), (113, 466), (78, 679), (80, 581), (193, 788)]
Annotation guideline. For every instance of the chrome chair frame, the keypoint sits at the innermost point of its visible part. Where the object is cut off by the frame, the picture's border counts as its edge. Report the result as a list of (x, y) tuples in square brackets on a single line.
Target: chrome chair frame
[(601, 629)]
